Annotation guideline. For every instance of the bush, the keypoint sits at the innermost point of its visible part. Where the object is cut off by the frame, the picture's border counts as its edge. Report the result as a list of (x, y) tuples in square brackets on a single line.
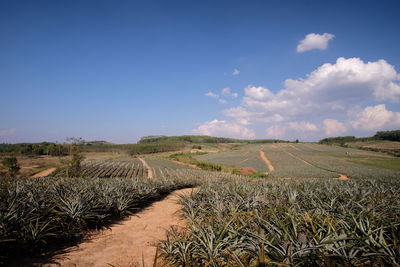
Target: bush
[(12, 166)]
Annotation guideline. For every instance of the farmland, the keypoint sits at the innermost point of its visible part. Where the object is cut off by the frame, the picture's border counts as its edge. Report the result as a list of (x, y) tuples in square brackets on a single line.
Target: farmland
[(299, 214), (308, 160)]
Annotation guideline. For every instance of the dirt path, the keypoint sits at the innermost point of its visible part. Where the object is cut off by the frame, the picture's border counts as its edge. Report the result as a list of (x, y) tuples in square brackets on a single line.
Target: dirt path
[(43, 173), (129, 243), (149, 169), (267, 161)]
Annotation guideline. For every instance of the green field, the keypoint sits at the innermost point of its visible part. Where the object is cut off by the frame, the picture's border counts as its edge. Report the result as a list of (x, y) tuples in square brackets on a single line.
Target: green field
[(310, 160), (299, 214)]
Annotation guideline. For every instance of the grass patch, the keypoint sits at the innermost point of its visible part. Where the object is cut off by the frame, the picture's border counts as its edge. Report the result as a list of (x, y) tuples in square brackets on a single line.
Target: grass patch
[(187, 158), (387, 163)]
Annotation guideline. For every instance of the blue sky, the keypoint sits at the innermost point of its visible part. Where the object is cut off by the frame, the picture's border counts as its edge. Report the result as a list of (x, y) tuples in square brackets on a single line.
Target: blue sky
[(119, 70)]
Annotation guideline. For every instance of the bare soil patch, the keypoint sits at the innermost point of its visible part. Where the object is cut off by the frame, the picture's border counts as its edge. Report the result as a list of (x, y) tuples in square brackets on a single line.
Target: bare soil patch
[(267, 161), (44, 173), (31, 165), (343, 177), (247, 171), (130, 243)]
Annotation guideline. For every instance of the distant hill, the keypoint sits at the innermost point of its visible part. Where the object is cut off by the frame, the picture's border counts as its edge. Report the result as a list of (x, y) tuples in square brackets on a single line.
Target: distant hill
[(204, 139), (383, 141)]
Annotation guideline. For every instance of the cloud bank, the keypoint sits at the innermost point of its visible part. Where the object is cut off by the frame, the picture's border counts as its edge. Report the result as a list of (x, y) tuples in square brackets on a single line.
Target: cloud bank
[(348, 96)]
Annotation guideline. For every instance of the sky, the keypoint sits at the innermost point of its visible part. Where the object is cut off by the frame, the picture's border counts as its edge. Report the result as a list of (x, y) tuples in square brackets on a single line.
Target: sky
[(120, 70)]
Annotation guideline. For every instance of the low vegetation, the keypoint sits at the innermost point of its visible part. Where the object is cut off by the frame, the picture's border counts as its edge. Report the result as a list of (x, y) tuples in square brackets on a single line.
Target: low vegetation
[(12, 166), (288, 222), (203, 139), (38, 213), (188, 159)]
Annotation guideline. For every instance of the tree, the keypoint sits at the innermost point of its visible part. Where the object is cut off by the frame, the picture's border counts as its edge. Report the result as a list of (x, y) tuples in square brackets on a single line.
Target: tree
[(74, 165), (12, 166), (297, 140)]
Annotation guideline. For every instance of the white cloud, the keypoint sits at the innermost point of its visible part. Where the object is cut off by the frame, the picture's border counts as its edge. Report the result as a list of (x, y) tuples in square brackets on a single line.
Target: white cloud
[(8, 132), (258, 93), (211, 94), (236, 72), (227, 92), (334, 127), (314, 41), (376, 118), (330, 88), (222, 101), (291, 130), (224, 128), (329, 98), (276, 132), (303, 126)]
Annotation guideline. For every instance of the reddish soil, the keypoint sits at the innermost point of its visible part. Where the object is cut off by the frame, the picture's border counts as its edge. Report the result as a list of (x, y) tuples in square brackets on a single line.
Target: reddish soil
[(131, 242), (44, 173), (247, 171), (343, 177)]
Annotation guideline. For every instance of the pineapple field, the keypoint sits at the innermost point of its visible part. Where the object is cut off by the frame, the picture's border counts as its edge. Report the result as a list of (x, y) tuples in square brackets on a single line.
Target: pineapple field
[(299, 214)]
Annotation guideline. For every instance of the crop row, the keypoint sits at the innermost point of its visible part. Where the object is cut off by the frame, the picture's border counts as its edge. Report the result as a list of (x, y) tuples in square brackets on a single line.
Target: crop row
[(308, 222), (109, 169), (36, 213)]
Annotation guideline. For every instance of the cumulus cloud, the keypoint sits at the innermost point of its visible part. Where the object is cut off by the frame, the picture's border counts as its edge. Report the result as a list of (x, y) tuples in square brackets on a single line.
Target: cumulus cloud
[(224, 128), (330, 88), (8, 132), (314, 41), (222, 101), (211, 94), (227, 92), (235, 72), (333, 98), (376, 118), (334, 127), (291, 130)]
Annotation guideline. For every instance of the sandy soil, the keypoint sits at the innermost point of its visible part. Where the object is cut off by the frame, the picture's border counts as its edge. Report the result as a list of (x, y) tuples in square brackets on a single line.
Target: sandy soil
[(267, 161), (43, 173), (149, 169), (132, 241), (343, 177)]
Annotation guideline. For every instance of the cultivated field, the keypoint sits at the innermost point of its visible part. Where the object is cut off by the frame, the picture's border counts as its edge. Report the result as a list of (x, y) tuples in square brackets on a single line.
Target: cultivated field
[(300, 213), (308, 160)]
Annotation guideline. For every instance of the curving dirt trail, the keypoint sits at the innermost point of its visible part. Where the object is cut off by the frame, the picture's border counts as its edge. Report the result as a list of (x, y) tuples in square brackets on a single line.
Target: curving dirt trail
[(43, 173), (149, 169), (267, 161), (130, 243)]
